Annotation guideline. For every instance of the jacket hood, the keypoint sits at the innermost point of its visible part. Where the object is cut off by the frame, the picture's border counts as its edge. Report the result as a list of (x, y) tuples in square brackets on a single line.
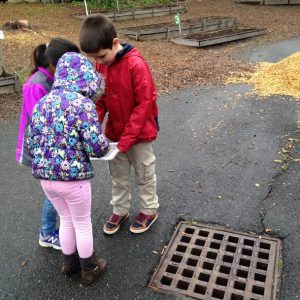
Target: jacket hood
[(75, 73), (126, 48)]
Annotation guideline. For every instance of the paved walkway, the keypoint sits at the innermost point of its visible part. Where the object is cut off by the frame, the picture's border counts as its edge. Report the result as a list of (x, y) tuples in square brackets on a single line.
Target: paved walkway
[(215, 145)]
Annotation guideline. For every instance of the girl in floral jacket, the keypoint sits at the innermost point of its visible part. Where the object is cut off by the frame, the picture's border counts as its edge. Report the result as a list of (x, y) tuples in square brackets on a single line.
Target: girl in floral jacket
[(45, 58), (64, 132)]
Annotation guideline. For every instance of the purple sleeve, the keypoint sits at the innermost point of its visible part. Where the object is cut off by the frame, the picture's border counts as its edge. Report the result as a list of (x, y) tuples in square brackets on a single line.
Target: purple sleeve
[(93, 140)]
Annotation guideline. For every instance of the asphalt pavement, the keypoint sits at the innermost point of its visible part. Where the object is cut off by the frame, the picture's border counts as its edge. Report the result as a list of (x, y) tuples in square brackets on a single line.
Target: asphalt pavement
[(215, 165)]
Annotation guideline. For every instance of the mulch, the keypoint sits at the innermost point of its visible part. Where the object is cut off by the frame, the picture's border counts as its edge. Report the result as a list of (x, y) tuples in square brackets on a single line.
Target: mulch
[(173, 66)]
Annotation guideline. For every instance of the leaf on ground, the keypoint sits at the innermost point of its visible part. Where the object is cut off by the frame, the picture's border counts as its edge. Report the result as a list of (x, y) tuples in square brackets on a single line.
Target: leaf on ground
[(23, 263)]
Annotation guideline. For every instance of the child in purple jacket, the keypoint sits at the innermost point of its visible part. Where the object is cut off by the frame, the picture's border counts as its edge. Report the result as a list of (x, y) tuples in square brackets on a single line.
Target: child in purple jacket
[(39, 83)]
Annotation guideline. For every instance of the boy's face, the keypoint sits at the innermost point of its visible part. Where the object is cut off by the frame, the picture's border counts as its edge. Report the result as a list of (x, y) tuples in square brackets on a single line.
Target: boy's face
[(106, 56)]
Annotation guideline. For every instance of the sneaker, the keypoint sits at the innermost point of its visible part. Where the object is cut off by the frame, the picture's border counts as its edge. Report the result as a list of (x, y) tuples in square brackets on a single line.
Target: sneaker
[(52, 240), (142, 222), (114, 223)]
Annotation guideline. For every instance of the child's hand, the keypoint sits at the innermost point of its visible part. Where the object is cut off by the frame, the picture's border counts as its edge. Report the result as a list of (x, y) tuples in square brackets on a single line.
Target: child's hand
[(111, 154)]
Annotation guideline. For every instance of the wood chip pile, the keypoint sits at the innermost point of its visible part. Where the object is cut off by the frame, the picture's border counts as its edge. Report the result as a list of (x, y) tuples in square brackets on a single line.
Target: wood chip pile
[(281, 78)]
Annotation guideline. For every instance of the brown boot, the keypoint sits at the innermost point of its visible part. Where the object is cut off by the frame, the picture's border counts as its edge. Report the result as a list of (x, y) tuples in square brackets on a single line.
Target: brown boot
[(92, 268), (71, 264)]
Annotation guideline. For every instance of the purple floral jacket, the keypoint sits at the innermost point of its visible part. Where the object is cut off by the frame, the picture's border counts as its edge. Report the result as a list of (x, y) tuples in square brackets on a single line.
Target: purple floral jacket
[(64, 131)]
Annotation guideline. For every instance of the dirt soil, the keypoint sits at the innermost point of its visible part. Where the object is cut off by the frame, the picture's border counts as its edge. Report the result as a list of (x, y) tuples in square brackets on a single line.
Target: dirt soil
[(200, 36), (174, 66)]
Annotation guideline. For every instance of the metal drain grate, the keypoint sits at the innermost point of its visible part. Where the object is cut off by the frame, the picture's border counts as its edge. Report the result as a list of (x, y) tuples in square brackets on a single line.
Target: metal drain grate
[(211, 263)]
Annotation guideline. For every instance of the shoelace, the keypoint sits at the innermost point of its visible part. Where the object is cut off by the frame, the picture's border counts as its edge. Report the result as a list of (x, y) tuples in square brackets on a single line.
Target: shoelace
[(140, 217), (115, 218), (55, 233)]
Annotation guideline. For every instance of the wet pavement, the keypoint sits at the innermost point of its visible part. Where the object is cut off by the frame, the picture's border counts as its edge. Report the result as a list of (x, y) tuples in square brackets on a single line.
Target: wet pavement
[(215, 165)]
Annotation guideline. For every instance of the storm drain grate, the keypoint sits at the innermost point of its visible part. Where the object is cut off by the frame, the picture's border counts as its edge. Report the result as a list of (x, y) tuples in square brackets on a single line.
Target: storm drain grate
[(203, 262)]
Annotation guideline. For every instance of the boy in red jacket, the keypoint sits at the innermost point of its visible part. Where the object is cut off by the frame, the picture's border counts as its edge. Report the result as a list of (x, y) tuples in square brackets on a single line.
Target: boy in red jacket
[(130, 101)]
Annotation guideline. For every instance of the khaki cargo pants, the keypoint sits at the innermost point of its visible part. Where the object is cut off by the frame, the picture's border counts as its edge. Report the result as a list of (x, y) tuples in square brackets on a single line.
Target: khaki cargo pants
[(141, 157)]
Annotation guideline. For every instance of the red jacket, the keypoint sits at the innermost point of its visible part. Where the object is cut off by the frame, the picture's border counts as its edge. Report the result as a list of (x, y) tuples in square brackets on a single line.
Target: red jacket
[(130, 100)]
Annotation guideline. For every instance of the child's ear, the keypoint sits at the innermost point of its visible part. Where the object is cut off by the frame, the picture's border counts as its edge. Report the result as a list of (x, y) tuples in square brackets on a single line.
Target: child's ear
[(116, 42), (51, 68)]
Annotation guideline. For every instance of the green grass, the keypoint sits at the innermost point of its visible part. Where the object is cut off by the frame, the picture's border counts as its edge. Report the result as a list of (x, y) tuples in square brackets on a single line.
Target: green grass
[(123, 4), (280, 264), (23, 74)]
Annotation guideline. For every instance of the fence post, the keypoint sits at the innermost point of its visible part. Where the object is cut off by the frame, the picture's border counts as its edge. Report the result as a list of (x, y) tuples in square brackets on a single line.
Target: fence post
[(2, 70)]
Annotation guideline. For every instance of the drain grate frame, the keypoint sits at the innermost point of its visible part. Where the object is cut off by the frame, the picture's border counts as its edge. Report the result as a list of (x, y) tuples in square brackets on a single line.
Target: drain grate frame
[(205, 262)]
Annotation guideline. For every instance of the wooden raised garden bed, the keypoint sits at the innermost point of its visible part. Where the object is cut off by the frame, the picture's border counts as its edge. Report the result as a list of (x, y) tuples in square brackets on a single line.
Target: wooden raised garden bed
[(269, 2), (140, 13), (9, 84), (218, 36), (170, 30)]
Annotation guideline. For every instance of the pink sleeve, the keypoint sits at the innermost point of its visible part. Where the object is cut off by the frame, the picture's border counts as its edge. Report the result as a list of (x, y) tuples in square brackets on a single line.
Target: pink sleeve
[(36, 93), (31, 95)]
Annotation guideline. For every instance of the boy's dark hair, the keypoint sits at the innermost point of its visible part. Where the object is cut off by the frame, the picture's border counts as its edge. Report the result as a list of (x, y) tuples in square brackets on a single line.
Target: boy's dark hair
[(97, 33), (39, 59), (57, 47)]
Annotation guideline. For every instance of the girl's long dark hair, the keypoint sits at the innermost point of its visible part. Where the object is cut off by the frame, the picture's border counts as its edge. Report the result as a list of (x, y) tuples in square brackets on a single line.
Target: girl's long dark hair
[(43, 54), (39, 58)]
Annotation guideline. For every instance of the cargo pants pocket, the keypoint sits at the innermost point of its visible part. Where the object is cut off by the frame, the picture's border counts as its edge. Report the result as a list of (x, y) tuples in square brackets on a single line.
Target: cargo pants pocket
[(149, 168)]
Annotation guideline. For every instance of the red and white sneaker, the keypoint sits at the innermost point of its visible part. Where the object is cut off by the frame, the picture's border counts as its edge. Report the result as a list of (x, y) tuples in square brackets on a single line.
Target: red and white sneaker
[(114, 223), (142, 222)]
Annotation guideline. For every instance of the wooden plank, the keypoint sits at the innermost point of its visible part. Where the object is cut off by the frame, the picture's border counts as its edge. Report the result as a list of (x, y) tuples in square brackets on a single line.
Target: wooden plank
[(186, 42), (163, 10), (147, 13), (7, 80), (229, 38), (211, 24), (250, 1), (123, 16), (275, 2), (217, 37), (139, 13), (9, 84), (269, 2)]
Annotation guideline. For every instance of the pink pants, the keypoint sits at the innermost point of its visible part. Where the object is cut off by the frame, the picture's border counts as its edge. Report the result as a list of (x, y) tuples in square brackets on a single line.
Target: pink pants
[(72, 200)]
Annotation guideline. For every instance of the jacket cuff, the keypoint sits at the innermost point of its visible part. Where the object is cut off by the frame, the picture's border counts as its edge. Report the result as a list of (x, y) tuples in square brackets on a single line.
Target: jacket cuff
[(121, 148)]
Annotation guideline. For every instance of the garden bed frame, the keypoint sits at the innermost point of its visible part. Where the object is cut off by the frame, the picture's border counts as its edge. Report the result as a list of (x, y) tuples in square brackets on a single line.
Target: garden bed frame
[(269, 2), (9, 84), (169, 30), (140, 13), (218, 36)]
